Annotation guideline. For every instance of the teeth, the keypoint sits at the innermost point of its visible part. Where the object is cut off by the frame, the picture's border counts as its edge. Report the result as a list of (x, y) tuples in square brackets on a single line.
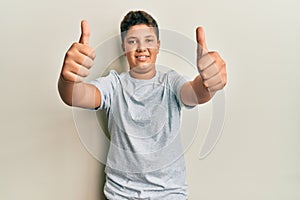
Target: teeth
[(142, 58)]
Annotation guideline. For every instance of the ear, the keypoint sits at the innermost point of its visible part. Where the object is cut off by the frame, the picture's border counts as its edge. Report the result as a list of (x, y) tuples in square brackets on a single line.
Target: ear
[(123, 48), (158, 45)]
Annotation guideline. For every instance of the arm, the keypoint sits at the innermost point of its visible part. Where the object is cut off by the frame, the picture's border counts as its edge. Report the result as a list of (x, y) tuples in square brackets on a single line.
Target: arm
[(79, 94), (194, 92), (212, 77), (77, 62)]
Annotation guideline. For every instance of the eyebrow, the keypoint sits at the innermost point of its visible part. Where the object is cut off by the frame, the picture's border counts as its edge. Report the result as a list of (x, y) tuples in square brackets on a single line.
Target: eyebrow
[(147, 36), (133, 37)]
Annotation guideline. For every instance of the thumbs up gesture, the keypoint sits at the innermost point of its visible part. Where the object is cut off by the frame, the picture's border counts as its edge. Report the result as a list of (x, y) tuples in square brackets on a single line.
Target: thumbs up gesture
[(211, 66), (79, 58)]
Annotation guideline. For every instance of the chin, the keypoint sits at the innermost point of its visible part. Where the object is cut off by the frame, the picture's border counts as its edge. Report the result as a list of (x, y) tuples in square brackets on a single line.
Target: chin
[(144, 67)]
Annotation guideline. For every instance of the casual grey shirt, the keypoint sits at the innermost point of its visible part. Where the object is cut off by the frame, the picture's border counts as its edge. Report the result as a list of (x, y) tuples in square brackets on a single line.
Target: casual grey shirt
[(145, 158)]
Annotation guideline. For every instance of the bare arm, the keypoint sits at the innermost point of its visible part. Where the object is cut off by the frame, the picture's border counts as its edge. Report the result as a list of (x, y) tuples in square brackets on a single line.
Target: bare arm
[(78, 60), (194, 92), (212, 77), (82, 95)]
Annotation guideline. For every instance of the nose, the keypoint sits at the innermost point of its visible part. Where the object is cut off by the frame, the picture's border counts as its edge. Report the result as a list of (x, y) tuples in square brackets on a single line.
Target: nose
[(141, 47)]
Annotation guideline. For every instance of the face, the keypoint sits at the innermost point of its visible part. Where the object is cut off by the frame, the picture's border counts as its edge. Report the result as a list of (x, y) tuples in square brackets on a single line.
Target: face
[(141, 47)]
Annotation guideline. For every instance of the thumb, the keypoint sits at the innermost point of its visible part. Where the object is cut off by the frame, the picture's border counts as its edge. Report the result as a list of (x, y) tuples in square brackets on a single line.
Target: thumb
[(85, 33), (200, 35)]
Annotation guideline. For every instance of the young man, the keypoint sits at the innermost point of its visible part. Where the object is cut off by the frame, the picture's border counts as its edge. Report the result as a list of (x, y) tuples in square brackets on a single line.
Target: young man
[(143, 107)]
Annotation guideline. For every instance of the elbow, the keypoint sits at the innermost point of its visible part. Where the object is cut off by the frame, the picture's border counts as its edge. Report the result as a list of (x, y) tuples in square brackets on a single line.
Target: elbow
[(64, 95), (65, 99), (67, 102)]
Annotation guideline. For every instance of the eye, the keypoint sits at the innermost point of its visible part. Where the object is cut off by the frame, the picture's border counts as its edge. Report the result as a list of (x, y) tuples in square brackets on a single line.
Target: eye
[(131, 41), (149, 40)]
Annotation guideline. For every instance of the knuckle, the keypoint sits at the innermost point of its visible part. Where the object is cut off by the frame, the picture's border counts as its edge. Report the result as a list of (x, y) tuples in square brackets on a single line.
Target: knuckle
[(223, 63), (75, 45), (66, 65), (90, 51), (205, 83), (66, 76), (86, 34), (83, 72), (93, 54), (199, 67), (91, 64), (81, 60), (204, 76), (85, 61), (214, 53), (87, 72), (70, 54), (225, 81)]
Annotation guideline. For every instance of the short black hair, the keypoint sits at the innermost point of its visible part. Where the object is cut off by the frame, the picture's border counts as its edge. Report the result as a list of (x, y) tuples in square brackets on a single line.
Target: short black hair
[(135, 18)]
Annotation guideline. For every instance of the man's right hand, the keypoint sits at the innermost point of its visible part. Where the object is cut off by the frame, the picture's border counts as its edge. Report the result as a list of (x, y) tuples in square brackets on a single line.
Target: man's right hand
[(79, 58)]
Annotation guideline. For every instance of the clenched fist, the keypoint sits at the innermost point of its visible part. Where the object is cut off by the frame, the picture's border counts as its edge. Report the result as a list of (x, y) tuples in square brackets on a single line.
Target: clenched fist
[(212, 74), (79, 58)]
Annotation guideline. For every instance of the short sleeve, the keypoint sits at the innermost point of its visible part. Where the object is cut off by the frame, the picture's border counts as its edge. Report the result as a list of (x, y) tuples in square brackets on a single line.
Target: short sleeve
[(176, 82), (106, 86)]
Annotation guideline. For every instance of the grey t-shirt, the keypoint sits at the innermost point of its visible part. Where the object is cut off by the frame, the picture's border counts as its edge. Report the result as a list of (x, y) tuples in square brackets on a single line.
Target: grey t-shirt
[(145, 158)]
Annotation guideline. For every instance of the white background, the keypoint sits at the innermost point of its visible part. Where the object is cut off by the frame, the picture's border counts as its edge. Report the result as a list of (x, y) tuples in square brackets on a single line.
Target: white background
[(258, 155)]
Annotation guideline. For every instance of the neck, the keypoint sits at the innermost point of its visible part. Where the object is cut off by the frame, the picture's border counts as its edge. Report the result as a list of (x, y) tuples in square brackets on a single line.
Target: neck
[(142, 74)]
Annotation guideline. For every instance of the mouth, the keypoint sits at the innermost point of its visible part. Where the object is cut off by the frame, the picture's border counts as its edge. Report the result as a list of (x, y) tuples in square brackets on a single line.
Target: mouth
[(142, 57)]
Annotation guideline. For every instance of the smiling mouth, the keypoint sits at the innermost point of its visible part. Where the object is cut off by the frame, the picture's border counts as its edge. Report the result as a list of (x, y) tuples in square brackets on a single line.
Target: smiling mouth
[(142, 57)]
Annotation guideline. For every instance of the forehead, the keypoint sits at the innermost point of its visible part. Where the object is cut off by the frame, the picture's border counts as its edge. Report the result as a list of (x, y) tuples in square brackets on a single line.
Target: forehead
[(140, 30)]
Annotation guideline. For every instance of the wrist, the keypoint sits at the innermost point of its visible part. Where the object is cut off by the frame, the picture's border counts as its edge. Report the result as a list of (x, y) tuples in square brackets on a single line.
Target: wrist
[(203, 93)]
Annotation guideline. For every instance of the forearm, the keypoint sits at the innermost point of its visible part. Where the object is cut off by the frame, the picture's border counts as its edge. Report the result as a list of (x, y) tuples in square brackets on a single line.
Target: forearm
[(65, 89), (202, 92), (195, 92), (78, 94)]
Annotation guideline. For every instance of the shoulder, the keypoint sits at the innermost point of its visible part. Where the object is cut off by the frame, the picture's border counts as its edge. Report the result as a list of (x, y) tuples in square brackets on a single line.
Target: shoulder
[(171, 77), (111, 79), (170, 74), (113, 73), (114, 76)]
